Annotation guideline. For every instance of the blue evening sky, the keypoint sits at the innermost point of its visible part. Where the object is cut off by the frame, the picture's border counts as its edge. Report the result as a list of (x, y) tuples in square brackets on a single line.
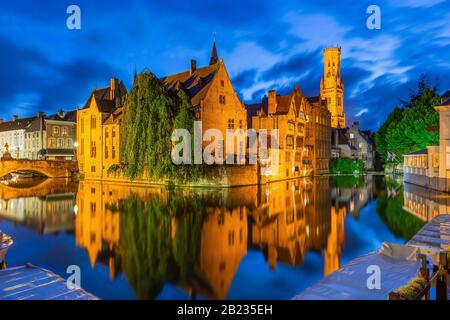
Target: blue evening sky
[(265, 44)]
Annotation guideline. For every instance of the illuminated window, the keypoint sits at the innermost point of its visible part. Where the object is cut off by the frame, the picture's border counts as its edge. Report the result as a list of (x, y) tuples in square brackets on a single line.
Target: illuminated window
[(55, 131), (64, 131), (290, 141), (93, 123), (51, 143), (93, 150)]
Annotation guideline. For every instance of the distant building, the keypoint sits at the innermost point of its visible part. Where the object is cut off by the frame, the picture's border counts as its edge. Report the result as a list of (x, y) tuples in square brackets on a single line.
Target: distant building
[(332, 86), (12, 136), (354, 143), (52, 137)]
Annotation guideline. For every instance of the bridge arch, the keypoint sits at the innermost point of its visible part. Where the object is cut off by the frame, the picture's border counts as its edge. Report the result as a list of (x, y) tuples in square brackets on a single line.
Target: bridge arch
[(48, 168)]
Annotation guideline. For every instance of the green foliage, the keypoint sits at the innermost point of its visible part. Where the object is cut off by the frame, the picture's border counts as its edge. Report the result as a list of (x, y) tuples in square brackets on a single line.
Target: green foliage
[(185, 120), (390, 209), (151, 113), (159, 241), (406, 128), (346, 166)]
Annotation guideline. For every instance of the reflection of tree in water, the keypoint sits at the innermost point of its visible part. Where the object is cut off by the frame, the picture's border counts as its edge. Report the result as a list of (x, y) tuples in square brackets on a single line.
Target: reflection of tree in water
[(390, 209), (347, 181), (159, 241)]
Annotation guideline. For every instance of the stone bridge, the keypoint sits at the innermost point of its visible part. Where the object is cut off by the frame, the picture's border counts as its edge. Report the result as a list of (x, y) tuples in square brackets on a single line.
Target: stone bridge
[(48, 168)]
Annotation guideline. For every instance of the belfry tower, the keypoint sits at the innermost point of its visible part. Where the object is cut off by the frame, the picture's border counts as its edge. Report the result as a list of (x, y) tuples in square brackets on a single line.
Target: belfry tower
[(332, 86)]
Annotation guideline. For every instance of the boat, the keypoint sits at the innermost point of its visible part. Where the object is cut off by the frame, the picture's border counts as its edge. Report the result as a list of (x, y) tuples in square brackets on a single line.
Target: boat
[(21, 175), (29, 282), (5, 242)]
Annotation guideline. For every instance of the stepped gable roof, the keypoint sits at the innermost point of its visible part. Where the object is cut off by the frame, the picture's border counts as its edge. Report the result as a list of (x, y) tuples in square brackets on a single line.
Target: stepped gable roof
[(114, 117), (17, 124), (102, 98), (195, 84)]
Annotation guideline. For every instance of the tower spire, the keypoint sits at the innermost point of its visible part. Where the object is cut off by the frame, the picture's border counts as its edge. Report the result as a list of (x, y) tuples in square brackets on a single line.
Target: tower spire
[(214, 58)]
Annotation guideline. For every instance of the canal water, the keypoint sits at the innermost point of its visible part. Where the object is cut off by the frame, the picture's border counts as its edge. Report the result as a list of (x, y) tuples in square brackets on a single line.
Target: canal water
[(267, 242)]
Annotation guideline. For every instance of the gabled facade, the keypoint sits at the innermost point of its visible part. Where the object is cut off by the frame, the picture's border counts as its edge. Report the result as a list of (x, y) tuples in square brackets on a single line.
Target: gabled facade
[(52, 137), (212, 95), (287, 114), (98, 130), (304, 126)]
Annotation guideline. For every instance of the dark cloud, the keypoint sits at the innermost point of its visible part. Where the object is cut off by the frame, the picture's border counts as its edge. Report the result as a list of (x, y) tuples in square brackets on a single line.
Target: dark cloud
[(30, 82)]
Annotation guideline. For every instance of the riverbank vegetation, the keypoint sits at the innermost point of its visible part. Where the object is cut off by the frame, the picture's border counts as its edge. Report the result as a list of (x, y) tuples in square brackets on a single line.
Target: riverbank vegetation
[(411, 126), (346, 166)]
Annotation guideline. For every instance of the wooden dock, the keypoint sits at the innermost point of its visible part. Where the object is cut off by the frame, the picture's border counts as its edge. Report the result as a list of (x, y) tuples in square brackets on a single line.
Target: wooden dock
[(33, 283)]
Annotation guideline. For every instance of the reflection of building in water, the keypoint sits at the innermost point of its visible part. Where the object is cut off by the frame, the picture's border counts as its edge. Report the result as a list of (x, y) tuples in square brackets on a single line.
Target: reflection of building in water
[(335, 242), (52, 213), (424, 203), (278, 227), (297, 216), (353, 198), (223, 245), (98, 220), (97, 223)]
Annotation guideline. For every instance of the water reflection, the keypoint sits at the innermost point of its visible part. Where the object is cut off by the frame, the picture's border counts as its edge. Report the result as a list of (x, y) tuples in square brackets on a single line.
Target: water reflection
[(197, 240)]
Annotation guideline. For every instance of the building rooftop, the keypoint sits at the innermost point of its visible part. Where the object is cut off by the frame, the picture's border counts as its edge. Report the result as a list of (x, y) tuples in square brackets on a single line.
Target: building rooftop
[(195, 83), (418, 152), (103, 99), (17, 124)]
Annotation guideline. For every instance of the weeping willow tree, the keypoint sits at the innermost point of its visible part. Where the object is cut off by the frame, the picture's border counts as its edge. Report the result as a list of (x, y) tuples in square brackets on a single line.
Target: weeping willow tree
[(159, 241), (151, 114)]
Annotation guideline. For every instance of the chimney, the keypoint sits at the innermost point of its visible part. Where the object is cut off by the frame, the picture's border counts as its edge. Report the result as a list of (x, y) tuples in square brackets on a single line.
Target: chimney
[(40, 115), (112, 91), (272, 102), (15, 118), (1, 121), (356, 124), (193, 67)]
